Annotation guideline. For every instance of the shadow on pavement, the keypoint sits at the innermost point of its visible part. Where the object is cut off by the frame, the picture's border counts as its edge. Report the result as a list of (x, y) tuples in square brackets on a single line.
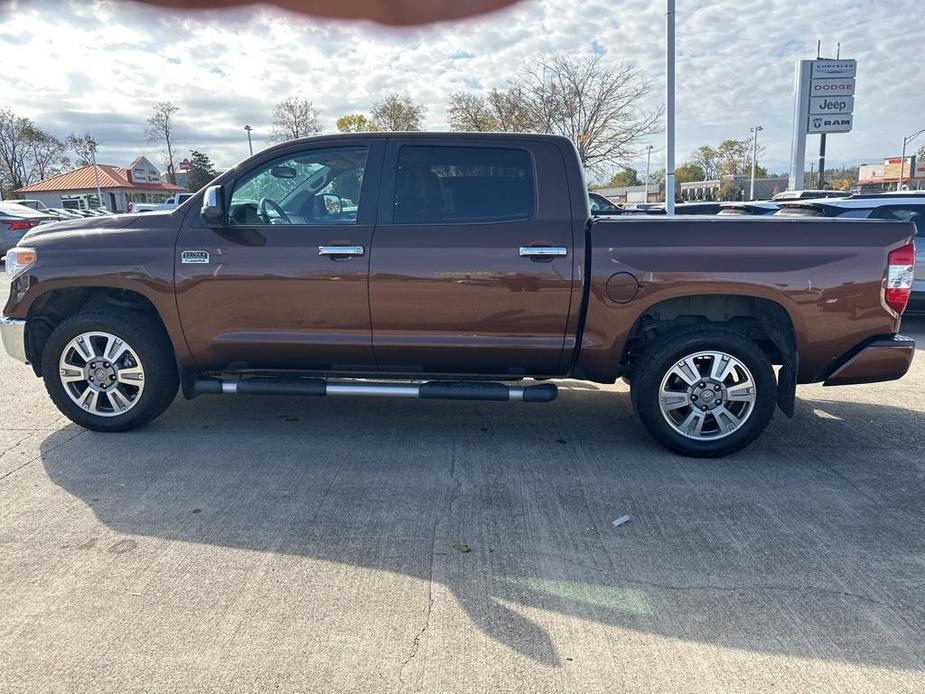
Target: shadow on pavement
[(810, 543)]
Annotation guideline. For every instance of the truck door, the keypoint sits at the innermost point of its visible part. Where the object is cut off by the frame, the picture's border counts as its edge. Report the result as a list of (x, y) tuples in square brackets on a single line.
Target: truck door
[(472, 262), (283, 284)]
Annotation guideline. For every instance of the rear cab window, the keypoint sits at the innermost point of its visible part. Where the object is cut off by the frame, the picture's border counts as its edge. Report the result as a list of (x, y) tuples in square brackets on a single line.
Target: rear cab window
[(463, 185)]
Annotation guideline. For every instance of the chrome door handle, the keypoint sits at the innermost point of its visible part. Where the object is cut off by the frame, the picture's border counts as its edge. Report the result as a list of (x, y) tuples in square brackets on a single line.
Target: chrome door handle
[(543, 251), (341, 250)]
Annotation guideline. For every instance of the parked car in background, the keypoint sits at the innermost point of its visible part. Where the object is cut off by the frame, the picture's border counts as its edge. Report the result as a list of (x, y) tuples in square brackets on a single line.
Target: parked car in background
[(16, 220), (903, 206), (64, 213), (601, 205), (36, 205), (699, 207), (751, 207), (171, 204), (807, 195), (482, 269)]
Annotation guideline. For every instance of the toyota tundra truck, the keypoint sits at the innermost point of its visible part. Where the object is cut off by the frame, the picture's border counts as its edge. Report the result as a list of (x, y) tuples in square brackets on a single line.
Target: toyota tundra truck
[(453, 266)]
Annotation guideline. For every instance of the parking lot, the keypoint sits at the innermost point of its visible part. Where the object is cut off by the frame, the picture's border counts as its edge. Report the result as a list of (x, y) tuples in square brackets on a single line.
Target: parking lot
[(380, 545)]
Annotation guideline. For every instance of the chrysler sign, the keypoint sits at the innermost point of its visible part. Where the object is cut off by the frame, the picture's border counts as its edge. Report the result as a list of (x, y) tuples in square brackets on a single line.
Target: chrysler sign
[(834, 68)]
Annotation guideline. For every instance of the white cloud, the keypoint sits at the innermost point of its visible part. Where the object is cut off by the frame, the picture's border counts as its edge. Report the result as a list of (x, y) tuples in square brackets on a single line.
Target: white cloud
[(101, 67)]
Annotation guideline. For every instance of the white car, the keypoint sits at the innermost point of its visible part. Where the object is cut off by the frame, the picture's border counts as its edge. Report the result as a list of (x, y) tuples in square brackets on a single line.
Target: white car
[(171, 204), (904, 207)]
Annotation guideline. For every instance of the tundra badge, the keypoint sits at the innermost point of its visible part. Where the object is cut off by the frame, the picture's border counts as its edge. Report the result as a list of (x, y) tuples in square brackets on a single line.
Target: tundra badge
[(194, 257)]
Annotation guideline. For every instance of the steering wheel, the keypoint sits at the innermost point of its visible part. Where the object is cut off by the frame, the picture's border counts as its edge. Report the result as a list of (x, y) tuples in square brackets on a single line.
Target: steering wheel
[(263, 214)]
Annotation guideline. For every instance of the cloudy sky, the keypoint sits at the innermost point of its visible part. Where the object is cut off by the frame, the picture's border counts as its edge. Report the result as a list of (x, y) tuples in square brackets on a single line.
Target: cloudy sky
[(101, 66)]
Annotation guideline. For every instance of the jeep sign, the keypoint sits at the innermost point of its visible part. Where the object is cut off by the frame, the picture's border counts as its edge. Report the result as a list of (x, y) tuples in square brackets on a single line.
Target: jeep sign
[(829, 105), (830, 124)]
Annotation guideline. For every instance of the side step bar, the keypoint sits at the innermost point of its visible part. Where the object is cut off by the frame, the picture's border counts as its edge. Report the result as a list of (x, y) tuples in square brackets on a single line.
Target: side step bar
[(431, 390)]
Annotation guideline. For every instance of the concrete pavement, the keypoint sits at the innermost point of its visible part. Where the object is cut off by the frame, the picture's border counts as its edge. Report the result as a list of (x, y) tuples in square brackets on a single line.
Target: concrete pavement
[(361, 545)]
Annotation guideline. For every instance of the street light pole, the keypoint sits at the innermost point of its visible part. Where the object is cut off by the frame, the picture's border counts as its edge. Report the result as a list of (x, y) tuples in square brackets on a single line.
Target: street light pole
[(96, 176), (250, 145), (648, 169), (757, 129), (669, 109), (902, 162)]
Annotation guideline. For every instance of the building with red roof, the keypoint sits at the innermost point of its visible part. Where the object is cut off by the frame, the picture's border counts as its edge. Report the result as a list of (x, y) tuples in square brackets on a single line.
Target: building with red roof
[(120, 187)]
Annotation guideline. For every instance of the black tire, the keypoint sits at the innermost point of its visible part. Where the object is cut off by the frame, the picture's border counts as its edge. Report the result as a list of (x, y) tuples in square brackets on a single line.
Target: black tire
[(656, 362), (147, 338)]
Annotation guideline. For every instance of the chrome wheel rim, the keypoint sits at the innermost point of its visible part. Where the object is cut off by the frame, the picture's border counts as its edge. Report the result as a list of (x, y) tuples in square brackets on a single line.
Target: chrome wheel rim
[(102, 374), (707, 396)]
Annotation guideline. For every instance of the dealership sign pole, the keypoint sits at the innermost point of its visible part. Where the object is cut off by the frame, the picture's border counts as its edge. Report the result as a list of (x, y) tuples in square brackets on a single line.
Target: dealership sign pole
[(823, 103)]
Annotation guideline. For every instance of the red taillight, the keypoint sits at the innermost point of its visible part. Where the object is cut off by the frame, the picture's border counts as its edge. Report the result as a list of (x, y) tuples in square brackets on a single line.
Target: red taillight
[(19, 224), (899, 277)]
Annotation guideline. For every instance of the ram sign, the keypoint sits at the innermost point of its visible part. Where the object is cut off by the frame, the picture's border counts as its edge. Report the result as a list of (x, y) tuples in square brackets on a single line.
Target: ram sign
[(830, 124)]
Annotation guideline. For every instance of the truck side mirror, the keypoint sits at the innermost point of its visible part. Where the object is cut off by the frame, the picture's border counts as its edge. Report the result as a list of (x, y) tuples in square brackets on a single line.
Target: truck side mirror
[(213, 206)]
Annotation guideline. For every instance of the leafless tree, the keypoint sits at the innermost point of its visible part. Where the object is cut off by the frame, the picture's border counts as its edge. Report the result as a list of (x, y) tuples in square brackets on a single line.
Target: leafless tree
[(397, 112), (500, 110), (598, 106), (48, 155), (293, 118), (160, 129), (84, 146), (27, 153), (470, 112)]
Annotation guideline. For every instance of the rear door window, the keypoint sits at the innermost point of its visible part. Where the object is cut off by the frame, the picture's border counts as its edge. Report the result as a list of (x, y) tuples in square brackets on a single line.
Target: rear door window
[(463, 185)]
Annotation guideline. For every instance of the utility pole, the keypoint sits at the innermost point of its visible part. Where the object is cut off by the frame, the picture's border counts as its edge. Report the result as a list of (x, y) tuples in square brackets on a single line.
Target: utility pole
[(96, 176), (648, 169), (822, 162), (812, 173), (902, 162), (669, 110), (250, 145), (757, 129)]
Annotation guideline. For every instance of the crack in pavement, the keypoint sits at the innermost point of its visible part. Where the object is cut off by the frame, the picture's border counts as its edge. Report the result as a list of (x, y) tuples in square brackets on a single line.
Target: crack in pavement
[(415, 645), (40, 453)]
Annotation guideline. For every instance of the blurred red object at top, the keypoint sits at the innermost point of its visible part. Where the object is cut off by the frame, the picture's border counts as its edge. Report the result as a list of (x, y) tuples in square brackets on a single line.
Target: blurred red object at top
[(394, 12)]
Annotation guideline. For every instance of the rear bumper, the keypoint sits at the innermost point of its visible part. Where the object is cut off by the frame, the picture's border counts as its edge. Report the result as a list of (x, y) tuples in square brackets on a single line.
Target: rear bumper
[(884, 359), (13, 334)]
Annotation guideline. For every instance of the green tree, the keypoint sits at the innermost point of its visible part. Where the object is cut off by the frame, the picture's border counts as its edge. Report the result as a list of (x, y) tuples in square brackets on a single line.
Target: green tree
[(201, 171), (729, 192), (624, 179), (689, 173), (355, 123)]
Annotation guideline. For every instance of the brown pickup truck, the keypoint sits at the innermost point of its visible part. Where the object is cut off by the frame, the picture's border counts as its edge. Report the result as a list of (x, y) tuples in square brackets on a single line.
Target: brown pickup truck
[(453, 266)]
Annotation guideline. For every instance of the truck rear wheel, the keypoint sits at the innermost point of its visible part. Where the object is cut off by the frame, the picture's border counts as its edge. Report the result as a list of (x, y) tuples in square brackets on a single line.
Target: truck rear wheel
[(704, 392), (110, 371)]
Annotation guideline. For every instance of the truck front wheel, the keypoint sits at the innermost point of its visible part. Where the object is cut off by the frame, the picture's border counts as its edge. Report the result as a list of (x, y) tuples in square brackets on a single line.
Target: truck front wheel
[(110, 371), (704, 392)]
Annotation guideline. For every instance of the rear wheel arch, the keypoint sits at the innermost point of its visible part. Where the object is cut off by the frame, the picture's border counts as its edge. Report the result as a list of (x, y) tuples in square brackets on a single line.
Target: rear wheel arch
[(765, 321)]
